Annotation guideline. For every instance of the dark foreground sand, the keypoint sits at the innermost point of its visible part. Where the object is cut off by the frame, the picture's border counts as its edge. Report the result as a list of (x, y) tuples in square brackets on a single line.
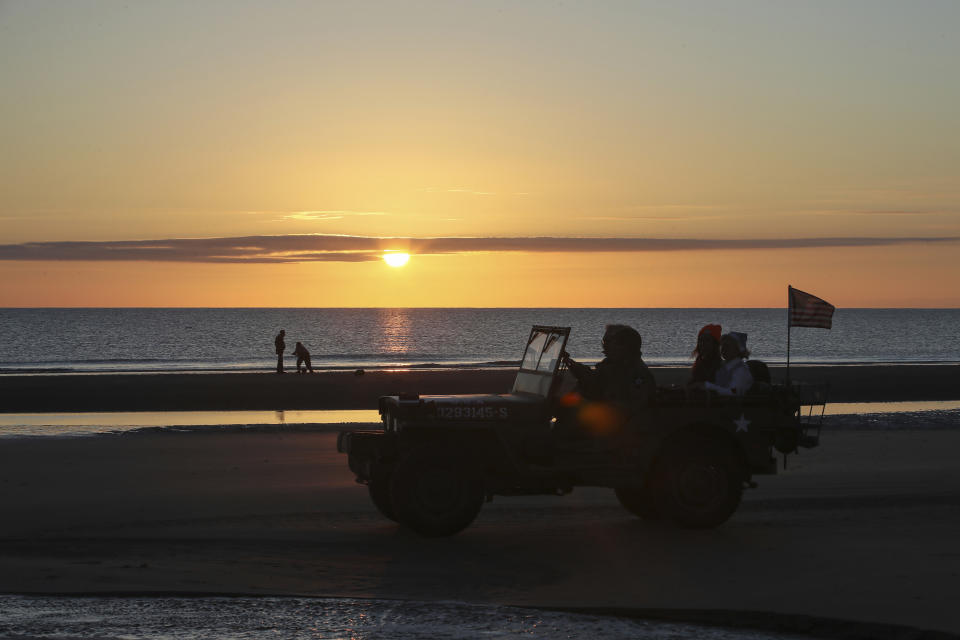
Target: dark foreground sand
[(343, 390), (865, 528)]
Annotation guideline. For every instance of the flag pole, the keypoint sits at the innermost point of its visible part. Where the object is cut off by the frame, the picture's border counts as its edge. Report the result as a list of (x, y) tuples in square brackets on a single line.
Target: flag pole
[(789, 311)]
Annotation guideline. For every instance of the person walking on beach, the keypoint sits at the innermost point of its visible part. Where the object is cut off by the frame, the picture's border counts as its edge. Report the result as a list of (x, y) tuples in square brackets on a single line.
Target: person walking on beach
[(280, 346), (303, 357)]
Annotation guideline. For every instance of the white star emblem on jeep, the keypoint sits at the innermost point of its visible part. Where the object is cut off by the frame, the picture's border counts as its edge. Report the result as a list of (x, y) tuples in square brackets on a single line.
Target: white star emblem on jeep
[(742, 423)]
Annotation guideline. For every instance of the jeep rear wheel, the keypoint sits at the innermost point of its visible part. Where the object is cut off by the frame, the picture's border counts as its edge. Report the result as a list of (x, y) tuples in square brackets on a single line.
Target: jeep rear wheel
[(379, 488), (436, 490), (640, 502), (699, 484)]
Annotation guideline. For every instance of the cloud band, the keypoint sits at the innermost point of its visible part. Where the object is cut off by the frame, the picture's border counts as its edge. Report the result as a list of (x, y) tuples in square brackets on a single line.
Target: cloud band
[(339, 248)]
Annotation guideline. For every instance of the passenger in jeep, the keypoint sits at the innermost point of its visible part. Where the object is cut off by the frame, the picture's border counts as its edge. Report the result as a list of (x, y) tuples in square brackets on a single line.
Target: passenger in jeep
[(622, 376), (707, 355), (734, 377)]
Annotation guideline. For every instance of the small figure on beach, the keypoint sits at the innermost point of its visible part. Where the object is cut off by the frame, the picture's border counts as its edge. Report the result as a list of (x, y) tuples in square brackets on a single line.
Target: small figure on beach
[(280, 346), (303, 358), (707, 355), (733, 378)]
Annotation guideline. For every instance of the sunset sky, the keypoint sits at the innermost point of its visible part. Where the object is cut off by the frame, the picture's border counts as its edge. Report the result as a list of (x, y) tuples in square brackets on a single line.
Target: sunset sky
[(617, 154)]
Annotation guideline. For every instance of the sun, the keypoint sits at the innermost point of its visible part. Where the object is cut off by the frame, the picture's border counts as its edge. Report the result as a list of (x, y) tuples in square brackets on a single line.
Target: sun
[(395, 259)]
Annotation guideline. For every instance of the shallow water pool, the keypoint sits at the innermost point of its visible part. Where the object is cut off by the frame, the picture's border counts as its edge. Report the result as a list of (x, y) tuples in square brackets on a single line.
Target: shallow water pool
[(94, 423)]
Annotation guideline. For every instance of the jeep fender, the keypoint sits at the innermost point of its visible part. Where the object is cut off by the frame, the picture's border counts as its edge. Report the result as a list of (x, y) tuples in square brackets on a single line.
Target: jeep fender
[(483, 445)]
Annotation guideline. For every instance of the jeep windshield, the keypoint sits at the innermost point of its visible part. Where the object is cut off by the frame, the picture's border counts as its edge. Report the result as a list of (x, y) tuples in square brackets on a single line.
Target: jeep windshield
[(541, 360)]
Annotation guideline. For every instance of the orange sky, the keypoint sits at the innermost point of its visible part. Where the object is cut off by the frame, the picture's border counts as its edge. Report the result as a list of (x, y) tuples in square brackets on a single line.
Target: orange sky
[(675, 279), (689, 121)]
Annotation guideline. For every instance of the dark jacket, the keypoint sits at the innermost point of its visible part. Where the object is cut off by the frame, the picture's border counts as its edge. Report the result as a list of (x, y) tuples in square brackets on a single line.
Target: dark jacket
[(615, 380), (301, 352), (704, 370)]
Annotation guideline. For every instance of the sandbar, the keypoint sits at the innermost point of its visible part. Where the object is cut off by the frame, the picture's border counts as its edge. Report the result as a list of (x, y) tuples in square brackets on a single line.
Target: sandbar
[(344, 390)]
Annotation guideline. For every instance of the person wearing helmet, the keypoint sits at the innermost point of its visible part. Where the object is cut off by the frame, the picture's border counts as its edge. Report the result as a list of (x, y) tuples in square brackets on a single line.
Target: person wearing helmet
[(622, 376)]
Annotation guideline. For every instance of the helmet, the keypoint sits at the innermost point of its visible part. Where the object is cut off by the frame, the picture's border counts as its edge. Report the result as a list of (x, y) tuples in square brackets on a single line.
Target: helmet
[(621, 340)]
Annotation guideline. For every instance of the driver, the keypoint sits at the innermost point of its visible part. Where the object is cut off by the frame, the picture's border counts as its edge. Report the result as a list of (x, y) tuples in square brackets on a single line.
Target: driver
[(622, 376)]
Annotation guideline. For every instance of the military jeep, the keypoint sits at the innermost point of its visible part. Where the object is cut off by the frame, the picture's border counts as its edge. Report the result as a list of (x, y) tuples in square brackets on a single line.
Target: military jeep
[(683, 455)]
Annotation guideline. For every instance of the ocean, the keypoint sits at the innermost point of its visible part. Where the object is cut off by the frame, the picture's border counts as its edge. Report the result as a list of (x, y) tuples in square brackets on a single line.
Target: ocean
[(218, 340)]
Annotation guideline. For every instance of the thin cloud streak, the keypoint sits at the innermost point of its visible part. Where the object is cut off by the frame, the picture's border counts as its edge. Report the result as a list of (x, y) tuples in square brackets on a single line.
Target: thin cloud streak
[(867, 212), (678, 207), (653, 218), (332, 214), (343, 248), (834, 213), (316, 214), (471, 192)]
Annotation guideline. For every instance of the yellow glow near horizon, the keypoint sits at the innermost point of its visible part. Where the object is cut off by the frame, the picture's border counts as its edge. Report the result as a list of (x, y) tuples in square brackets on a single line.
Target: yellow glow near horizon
[(788, 122), (864, 277), (396, 259)]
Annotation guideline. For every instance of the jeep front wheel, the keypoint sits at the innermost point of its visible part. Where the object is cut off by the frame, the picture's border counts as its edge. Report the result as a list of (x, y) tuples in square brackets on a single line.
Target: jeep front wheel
[(699, 484), (436, 490)]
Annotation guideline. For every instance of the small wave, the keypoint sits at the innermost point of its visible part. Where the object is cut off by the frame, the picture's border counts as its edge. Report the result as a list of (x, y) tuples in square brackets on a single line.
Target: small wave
[(23, 370), (166, 366), (102, 361), (380, 356), (901, 421), (155, 366), (307, 618), (248, 428)]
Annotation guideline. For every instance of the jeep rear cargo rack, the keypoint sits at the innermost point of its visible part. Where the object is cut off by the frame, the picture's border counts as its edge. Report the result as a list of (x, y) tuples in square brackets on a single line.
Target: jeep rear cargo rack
[(812, 400)]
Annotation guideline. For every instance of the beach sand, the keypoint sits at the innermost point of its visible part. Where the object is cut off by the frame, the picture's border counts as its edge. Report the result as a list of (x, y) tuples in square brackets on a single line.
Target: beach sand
[(863, 528), (343, 390)]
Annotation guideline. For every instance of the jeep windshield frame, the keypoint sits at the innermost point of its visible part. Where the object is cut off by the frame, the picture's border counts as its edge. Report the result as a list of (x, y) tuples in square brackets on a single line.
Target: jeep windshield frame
[(541, 360)]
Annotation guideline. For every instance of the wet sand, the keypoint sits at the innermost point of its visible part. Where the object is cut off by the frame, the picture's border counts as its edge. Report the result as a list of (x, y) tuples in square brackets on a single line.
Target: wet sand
[(343, 390), (863, 528)]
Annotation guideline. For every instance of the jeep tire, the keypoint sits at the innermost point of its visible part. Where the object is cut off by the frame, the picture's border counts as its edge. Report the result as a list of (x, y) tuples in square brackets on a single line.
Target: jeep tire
[(699, 483), (436, 490)]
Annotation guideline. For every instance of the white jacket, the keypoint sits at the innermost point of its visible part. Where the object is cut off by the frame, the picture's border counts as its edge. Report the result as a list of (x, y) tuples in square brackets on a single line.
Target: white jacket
[(732, 379)]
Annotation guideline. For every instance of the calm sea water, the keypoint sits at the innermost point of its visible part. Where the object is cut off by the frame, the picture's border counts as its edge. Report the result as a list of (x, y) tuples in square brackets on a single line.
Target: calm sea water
[(141, 340)]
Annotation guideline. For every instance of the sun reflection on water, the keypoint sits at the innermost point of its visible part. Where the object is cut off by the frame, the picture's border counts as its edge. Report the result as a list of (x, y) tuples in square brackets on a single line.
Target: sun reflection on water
[(396, 334)]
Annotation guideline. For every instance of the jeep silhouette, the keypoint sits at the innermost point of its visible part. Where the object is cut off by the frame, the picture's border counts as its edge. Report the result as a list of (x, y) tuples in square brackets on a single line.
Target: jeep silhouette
[(683, 455)]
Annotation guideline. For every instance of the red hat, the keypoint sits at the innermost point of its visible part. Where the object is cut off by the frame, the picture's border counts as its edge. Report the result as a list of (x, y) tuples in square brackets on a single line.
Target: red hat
[(713, 329)]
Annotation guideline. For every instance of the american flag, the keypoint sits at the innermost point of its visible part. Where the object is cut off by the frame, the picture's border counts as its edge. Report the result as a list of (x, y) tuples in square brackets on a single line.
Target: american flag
[(809, 311)]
